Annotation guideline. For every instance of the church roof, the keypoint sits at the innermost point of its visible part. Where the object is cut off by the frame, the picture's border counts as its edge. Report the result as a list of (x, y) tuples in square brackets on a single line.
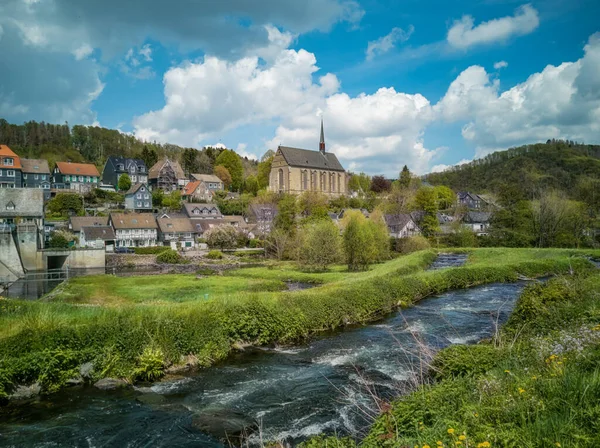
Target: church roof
[(305, 158)]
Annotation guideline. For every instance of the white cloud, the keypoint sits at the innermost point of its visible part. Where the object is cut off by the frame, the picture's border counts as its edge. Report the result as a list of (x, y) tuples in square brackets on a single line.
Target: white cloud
[(83, 52), (387, 42), (500, 64), (441, 167), (463, 34), (558, 102), (146, 52), (242, 152)]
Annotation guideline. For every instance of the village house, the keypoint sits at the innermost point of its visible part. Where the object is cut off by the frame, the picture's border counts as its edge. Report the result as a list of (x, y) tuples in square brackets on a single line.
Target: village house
[(134, 229), (167, 175), (177, 232), (478, 222), (401, 225), (296, 170), (202, 187), (98, 237), (22, 206), (138, 198), (36, 174), (116, 166), (262, 217), (470, 200), (202, 211), (10, 168), (80, 177), (76, 223)]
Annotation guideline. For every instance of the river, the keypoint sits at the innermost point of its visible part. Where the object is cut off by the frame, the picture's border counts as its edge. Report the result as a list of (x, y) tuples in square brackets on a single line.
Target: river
[(325, 386)]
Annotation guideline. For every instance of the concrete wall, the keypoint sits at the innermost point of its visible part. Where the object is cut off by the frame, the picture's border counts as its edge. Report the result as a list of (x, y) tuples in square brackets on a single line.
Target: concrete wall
[(86, 258), (10, 262), (27, 240)]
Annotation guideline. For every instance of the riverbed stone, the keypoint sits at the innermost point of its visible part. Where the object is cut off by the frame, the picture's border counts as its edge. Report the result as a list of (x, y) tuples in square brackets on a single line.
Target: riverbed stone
[(224, 423), (151, 398), (86, 370), (76, 381), (111, 384), (26, 392)]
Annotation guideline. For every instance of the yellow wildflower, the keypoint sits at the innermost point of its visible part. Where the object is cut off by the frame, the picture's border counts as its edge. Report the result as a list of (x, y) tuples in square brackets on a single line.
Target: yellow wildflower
[(450, 431), (458, 443), (521, 390), (507, 371), (439, 443), (557, 443), (426, 446), (485, 444), (462, 437)]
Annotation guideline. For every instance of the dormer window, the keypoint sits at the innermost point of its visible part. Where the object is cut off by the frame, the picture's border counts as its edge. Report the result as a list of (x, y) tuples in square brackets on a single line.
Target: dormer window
[(8, 161), (120, 167), (10, 206), (141, 169)]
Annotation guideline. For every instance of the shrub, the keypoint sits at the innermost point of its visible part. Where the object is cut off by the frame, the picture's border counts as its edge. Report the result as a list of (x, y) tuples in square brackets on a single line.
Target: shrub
[(150, 250), (412, 244), (150, 365), (169, 256), (321, 244), (222, 237), (60, 239), (215, 255), (255, 243)]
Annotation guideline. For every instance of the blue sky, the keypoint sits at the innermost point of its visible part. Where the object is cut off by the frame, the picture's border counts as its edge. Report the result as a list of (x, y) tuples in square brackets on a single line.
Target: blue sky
[(423, 83)]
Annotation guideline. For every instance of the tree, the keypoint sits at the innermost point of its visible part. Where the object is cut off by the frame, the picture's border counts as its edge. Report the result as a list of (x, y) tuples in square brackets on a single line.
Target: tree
[(172, 201), (379, 235), (361, 183), (66, 204), (157, 197), (380, 184), (124, 183), (221, 237), (264, 171), (60, 240), (278, 242), (223, 173), (426, 200), (405, 177), (189, 160), (230, 160), (205, 165), (251, 185), (357, 241), (286, 214), (321, 244), (150, 157), (312, 205), (445, 197)]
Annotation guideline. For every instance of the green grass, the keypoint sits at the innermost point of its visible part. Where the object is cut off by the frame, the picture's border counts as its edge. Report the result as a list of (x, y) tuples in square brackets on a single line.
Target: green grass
[(112, 321), (536, 385)]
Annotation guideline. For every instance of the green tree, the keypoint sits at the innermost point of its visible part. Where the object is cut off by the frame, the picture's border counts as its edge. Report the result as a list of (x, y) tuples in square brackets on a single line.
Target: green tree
[(321, 244), (230, 160), (426, 200), (360, 183), (223, 173), (66, 204), (172, 201), (445, 197), (157, 197), (264, 171), (312, 205), (189, 160), (405, 177), (379, 236), (221, 237), (124, 183), (251, 185), (357, 241), (286, 214)]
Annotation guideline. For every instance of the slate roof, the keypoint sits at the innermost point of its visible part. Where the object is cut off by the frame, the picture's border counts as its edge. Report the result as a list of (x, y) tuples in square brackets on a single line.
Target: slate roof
[(399, 219), (207, 178), (78, 169), (135, 187), (26, 202), (305, 158), (263, 212), (105, 233), (35, 166), (154, 172), (133, 221), (476, 217), (78, 222), (190, 207), (126, 162), (175, 225), (5, 151)]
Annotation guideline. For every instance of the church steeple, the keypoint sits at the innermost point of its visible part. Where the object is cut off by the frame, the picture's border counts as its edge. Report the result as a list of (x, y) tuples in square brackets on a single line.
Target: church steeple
[(322, 141)]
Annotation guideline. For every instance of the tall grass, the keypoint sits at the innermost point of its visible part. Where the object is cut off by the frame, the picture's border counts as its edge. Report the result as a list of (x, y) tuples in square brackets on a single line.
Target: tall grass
[(46, 341)]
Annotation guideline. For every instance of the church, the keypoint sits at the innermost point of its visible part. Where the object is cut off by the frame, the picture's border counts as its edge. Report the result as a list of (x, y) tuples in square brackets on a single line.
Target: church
[(296, 170)]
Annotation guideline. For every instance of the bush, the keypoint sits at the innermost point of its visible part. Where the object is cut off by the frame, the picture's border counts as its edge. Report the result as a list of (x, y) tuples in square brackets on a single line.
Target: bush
[(65, 204), (60, 240), (222, 237), (412, 244), (150, 250), (215, 255), (169, 256), (255, 243), (321, 244)]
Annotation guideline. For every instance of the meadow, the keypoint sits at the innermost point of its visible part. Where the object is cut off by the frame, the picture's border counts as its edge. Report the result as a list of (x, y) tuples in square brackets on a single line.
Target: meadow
[(135, 327)]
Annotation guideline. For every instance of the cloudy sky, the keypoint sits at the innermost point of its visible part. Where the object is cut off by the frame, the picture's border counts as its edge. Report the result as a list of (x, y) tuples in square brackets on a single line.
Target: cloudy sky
[(427, 83)]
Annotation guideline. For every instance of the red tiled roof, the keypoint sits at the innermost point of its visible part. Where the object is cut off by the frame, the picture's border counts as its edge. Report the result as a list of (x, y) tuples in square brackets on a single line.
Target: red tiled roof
[(78, 169), (5, 151), (191, 187)]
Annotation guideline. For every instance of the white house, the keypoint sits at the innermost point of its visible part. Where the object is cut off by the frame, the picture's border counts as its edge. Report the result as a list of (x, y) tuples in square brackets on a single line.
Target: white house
[(134, 229)]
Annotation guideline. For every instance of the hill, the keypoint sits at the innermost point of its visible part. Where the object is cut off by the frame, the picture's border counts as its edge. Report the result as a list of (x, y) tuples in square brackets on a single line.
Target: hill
[(568, 166)]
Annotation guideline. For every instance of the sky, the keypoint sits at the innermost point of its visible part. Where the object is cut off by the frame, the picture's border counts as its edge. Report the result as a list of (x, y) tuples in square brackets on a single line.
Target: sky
[(429, 84)]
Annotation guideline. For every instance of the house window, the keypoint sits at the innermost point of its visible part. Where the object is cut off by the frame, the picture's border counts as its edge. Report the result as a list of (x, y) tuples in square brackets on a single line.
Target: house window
[(36, 177), (24, 175), (80, 178), (87, 179), (139, 204), (139, 196), (10, 206), (43, 177), (120, 167), (133, 178), (147, 204), (10, 173), (9, 162)]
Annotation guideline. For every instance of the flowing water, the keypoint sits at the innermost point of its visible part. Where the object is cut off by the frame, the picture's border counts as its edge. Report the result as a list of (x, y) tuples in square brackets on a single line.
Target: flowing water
[(325, 386)]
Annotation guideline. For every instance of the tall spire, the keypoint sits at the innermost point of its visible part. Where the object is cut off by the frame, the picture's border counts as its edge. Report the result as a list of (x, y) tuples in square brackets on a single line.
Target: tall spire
[(322, 141)]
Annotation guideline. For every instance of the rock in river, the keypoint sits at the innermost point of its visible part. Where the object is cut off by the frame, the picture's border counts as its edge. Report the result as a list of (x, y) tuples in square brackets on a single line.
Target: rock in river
[(26, 392), (111, 384), (224, 423)]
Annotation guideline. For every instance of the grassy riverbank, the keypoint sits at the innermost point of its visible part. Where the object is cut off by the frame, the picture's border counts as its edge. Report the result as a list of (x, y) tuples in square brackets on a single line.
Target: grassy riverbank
[(537, 384), (138, 325)]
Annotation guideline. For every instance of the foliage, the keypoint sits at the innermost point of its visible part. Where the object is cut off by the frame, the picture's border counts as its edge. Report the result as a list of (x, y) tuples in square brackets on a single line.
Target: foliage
[(264, 171), (286, 214), (251, 185), (321, 244), (124, 183), (66, 204), (365, 241), (60, 239), (222, 237), (379, 184), (152, 250), (426, 200), (150, 366), (360, 183), (189, 161), (172, 201), (214, 255), (445, 197), (230, 160), (313, 205), (157, 197), (461, 236), (278, 242), (223, 173), (412, 244), (149, 156), (169, 256), (405, 177)]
